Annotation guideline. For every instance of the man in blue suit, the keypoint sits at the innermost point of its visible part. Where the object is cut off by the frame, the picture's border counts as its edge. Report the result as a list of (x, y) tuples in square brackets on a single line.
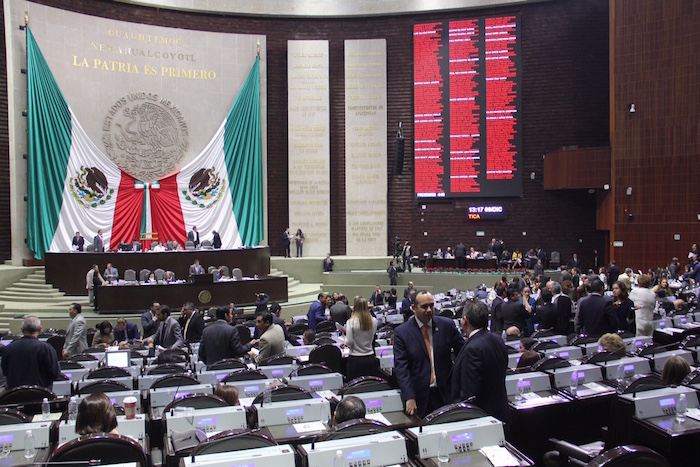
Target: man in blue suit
[(423, 349), (480, 369), (316, 312)]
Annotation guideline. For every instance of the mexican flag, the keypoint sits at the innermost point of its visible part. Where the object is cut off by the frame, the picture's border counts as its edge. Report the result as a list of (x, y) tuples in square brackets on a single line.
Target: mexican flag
[(72, 186)]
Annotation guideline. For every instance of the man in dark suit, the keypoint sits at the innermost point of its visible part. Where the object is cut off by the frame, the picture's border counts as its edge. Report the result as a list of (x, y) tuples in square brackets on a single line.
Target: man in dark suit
[(78, 242), (514, 312), (221, 340), (564, 305), (169, 333), (613, 274), (276, 311), (328, 263), (340, 311), (216, 241), (29, 361), (149, 322), (377, 297), (480, 368), (406, 304), (193, 236), (316, 312), (408, 289), (596, 314), (126, 331), (461, 255), (98, 243), (546, 314), (423, 349), (574, 262), (192, 323), (497, 326)]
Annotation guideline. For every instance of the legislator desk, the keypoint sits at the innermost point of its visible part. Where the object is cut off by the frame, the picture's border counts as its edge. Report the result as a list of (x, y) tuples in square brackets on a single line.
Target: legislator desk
[(66, 271), (117, 298), (470, 263)]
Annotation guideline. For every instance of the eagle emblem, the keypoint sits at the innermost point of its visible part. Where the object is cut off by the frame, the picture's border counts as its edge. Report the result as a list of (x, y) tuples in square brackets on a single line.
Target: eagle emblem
[(89, 187), (205, 188)]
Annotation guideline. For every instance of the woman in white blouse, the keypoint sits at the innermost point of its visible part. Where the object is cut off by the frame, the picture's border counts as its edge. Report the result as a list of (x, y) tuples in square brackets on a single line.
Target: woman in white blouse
[(644, 301), (360, 331)]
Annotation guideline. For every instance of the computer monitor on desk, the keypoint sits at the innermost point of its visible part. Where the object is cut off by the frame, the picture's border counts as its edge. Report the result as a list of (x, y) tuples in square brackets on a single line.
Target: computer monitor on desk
[(118, 358)]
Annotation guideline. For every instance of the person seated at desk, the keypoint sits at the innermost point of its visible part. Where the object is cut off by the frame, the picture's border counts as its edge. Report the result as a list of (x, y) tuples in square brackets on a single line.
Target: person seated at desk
[(308, 337), (228, 393), (473, 254), (151, 278), (675, 370), (126, 332), (96, 415), (614, 344), (157, 247), (124, 246), (196, 269), (449, 254), (221, 274), (111, 274), (349, 408), (169, 277), (438, 253), (528, 358), (104, 337)]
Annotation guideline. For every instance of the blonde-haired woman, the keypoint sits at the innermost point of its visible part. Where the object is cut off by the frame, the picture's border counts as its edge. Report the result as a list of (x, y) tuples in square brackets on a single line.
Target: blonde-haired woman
[(360, 331)]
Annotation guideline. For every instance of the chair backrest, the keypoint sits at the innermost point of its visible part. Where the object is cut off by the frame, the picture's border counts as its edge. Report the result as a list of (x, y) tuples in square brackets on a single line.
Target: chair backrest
[(225, 270), (639, 383), (453, 413), (171, 381), (692, 378), (364, 384), (355, 427), (83, 357), (25, 395), (233, 440), (328, 355), (543, 333), (143, 274), (206, 244), (197, 401), (11, 417), (243, 333), (172, 356), (166, 369), (68, 365), (227, 364), (189, 245), (598, 357), (212, 270), (447, 313), (313, 369), (107, 372), (248, 374), (160, 274), (555, 257), (103, 386), (237, 274), (89, 247), (550, 363), (544, 345), (298, 329), (109, 448), (280, 359), (57, 342), (325, 326), (285, 393), (93, 350), (129, 275), (623, 456)]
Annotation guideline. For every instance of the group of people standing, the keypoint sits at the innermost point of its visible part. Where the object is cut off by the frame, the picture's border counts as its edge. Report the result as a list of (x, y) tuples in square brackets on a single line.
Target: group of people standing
[(298, 239)]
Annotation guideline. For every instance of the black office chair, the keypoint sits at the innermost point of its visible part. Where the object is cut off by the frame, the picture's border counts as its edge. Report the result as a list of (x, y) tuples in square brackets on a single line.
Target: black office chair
[(103, 386), (11, 417), (285, 393), (511, 350), (550, 363), (26, 395), (107, 372), (621, 456), (280, 359), (197, 401), (244, 375), (447, 313), (599, 357), (232, 440), (639, 383), (454, 413), (68, 365), (83, 357), (581, 340), (364, 384), (692, 378), (692, 340), (328, 355), (540, 333), (57, 342), (172, 356), (298, 329), (171, 381), (313, 369), (106, 448), (136, 355), (325, 326), (227, 364), (94, 350), (167, 369), (544, 345), (355, 427), (243, 333)]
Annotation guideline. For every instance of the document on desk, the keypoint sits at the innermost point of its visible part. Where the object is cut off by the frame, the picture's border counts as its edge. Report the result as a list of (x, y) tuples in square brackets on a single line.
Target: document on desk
[(694, 414), (326, 394), (309, 427), (499, 456), (46, 418), (378, 417)]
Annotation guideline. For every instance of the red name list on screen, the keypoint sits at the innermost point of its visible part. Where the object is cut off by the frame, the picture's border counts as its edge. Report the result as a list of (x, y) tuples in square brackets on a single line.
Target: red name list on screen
[(466, 108)]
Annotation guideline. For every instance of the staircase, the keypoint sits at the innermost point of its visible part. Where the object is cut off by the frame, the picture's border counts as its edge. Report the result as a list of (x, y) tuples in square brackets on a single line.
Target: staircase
[(295, 289), (33, 293)]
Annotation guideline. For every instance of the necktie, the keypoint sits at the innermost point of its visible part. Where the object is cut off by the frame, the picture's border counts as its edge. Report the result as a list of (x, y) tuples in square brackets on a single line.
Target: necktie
[(186, 325), (426, 338)]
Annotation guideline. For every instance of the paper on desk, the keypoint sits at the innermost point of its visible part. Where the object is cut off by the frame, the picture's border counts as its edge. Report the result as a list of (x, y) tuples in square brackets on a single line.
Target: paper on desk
[(694, 414), (254, 351), (378, 417), (246, 401), (326, 394), (46, 418), (499, 456), (309, 427), (340, 327)]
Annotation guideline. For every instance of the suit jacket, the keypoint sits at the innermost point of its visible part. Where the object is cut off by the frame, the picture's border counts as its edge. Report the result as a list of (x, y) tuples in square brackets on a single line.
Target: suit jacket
[(328, 265), (497, 316), (98, 244), (90, 279), (29, 361), (130, 332), (340, 313), (193, 237), (377, 298), (597, 316), (546, 315), (149, 326), (514, 314), (412, 362), (169, 334), (564, 305), (220, 340), (216, 242), (111, 274), (195, 328), (76, 336), (271, 343), (480, 372), (194, 270), (460, 251), (406, 292), (288, 337), (79, 243), (315, 315)]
